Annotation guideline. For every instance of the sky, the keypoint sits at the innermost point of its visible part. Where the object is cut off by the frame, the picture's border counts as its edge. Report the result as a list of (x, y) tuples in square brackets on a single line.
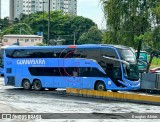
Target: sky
[(87, 8)]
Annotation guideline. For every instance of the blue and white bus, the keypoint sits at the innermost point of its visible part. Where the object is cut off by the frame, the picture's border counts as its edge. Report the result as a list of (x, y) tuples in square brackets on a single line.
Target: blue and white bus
[(99, 67)]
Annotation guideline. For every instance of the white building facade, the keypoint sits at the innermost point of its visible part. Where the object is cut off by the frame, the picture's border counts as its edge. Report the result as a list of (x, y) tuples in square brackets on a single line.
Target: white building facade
[(21, 40), (30, 6)]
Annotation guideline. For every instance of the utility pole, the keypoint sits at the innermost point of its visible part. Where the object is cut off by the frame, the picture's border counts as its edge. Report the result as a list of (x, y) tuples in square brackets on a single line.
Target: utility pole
[(43, 16), (49, 17), (74, 38)]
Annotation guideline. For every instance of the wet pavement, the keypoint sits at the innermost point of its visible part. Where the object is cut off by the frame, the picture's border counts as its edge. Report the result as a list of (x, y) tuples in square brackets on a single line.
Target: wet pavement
[(17, 100)]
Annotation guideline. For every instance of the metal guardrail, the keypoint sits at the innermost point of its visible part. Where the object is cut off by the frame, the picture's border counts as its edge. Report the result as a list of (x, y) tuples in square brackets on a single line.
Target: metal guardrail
[(150, 81)]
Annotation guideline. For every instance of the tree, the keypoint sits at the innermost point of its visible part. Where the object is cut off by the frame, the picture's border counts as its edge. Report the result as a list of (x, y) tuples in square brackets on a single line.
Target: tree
[(93, 36), (129, 21), (4, 23), (62, 26), (20, 28)]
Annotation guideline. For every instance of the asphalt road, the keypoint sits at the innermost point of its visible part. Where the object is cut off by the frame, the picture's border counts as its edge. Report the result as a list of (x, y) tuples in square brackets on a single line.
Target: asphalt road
[(17, 100)]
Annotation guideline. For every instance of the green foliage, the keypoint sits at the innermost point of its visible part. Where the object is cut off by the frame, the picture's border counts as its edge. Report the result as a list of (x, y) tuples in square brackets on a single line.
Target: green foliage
[(4, 23), (62, 26), (129, 20), (93, 36), (41, 44), (155, 62), (20, 28)]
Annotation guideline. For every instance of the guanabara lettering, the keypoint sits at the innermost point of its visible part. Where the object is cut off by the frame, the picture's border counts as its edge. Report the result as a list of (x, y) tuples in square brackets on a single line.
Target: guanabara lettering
[(31, 61)]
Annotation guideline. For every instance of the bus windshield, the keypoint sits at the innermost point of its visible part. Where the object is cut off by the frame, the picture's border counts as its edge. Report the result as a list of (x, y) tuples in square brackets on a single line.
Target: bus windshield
[(132, 72), (127, 55)]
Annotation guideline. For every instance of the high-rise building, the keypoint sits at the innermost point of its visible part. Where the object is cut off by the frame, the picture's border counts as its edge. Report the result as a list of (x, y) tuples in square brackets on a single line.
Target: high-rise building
[(30, 6)]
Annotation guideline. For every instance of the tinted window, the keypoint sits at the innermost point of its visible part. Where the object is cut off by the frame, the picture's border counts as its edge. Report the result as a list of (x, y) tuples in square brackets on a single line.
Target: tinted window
[(127, 55), (111, 67), (67, 53), (109, 52), (53, 71), (69, 71), (37, 53), (30, 53), (80, 53), (93, 53)]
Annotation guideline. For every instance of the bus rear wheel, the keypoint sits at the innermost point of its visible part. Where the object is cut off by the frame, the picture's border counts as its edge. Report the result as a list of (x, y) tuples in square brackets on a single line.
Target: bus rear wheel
[(26, 84), (37, 85), (100, 86)]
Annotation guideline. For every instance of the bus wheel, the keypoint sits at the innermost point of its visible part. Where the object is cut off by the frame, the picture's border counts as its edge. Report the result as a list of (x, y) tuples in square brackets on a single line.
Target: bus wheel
[(37, 85), (26, 84), (100, 86)]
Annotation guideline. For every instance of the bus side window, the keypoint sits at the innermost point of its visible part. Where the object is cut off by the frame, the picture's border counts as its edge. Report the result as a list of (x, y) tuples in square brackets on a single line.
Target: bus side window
[(57, 52), (75, 73), (83, 72), (80, 53), (93, 53), (109, 68), (96, 73), (109, 52), (19, 54)]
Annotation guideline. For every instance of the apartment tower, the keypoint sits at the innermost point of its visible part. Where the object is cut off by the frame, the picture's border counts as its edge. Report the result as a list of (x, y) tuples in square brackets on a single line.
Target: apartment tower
[(30, 6)]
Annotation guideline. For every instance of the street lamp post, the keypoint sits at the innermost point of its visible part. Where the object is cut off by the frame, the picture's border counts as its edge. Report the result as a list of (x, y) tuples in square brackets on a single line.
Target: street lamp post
[(43, 15), (49, 17)]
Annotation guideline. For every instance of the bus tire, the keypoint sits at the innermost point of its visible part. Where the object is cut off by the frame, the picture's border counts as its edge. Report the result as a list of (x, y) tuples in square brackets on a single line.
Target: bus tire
[(37, 85), (100, 86), (26, 84)]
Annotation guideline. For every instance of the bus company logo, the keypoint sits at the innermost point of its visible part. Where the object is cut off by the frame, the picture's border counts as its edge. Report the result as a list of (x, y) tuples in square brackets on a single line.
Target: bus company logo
[(75, 65), (31, 61)]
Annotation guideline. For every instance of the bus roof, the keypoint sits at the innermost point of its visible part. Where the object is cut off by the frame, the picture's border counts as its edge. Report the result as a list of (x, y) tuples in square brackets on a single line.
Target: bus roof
[(69, 46)]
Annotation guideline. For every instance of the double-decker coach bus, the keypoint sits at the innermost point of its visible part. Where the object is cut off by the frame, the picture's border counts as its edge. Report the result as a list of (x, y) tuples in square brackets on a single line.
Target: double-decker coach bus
[(99, 67)]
